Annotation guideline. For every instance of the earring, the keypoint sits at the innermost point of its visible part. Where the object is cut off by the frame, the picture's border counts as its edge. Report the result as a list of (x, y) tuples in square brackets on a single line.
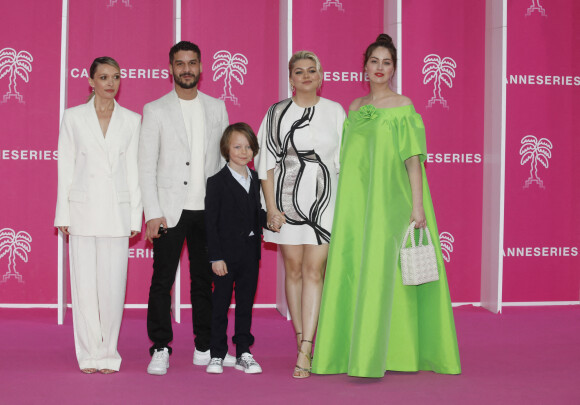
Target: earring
[(292, 88), (93, 90)]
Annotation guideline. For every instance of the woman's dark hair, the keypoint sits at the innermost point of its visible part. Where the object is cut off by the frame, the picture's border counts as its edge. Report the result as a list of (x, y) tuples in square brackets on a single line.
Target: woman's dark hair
[(184, 46), (385, 41), (243, 129)]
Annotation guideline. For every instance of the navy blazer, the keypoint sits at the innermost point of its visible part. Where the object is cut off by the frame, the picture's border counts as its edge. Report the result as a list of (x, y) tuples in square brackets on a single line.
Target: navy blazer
[(227, 218)]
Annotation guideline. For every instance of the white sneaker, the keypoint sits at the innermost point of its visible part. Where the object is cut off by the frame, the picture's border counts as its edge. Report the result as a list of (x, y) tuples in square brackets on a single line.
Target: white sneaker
[(203, 359), (215, 366), (229, 360), (247, 364), (159, 362)]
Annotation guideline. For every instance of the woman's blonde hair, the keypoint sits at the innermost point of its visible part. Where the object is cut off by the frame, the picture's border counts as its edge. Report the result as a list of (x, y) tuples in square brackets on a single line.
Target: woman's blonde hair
[(103, 60), (300, 55)]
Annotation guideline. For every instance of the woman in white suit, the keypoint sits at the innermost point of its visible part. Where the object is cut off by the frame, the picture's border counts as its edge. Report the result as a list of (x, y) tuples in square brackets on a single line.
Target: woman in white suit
[(99, 206)]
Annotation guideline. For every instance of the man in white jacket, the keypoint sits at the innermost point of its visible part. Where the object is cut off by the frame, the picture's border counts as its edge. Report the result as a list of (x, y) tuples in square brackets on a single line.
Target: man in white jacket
[(178, 151)]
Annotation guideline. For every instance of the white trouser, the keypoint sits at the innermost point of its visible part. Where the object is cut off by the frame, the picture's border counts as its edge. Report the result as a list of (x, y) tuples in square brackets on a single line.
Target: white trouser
[(98, 270)]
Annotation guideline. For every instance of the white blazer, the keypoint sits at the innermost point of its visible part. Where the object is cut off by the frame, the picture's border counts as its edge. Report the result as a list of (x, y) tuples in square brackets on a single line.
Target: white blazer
[(165, 154), (98, 181)]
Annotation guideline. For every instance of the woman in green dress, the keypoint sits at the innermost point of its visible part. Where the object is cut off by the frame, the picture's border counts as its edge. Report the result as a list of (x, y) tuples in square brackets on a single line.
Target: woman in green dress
[(369, 321)]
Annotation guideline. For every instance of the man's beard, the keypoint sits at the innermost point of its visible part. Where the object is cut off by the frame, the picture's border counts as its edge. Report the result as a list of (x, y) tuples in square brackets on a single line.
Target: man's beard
[(184, 85)]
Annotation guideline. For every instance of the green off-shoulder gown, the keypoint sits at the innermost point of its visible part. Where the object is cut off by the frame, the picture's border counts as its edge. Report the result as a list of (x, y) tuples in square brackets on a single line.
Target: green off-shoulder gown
[(369, 321)]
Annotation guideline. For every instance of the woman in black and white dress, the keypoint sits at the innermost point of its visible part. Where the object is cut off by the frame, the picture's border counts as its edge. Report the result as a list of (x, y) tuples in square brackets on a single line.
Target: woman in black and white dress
[(298, 163)]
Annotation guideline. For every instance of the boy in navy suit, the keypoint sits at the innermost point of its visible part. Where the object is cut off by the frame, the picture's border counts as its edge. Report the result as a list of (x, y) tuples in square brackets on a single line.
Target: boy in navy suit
[(234, 220)]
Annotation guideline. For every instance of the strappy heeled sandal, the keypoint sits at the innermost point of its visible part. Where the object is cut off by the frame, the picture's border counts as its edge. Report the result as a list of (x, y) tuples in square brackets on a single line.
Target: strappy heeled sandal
[(89, 370), (298, 344), (107, 371), (298, 369)]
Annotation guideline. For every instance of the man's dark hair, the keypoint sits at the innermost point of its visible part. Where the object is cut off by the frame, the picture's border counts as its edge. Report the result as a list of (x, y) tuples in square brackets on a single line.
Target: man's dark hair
[(184, 46)]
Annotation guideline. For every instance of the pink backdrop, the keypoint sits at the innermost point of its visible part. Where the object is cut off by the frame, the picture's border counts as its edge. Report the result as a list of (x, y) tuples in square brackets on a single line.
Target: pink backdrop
[(542, 198), (138, 34), (338, 35), (541, 241), (246, 31), (451, 105), (29, 125)]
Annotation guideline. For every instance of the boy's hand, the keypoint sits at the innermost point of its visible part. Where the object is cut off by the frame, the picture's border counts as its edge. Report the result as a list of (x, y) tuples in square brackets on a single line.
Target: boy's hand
[(219, 268)]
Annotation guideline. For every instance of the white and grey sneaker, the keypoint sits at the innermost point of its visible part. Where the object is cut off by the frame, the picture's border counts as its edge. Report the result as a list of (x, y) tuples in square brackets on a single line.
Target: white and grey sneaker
[(247, 364), (215, 366), (203, 358), (159, 362)]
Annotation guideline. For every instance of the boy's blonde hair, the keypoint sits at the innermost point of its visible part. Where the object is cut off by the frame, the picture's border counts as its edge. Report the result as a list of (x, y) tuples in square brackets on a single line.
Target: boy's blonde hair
[(243, 129)]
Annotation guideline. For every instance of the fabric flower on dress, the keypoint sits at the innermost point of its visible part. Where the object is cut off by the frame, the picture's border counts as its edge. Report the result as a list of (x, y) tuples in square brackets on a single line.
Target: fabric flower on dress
[(368, 112)]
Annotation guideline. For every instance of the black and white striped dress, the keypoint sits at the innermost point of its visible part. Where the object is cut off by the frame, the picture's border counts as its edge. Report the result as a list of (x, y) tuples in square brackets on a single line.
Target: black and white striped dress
[(302, 145)]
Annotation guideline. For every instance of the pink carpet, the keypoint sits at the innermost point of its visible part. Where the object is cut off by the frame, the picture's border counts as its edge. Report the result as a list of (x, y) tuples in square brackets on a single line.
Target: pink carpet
[(524, 356)]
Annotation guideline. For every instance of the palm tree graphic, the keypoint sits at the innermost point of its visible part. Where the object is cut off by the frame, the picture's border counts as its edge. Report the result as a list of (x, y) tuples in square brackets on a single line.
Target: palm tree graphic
[(112, 3), (329, 3), (536, 6), (17, 64), (227, 65), (446, 240), (14, 244), (534, 151), (439, 70)]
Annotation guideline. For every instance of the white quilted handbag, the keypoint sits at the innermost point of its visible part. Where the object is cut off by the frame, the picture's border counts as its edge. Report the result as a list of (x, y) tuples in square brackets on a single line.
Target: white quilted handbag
[(418, 263)]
